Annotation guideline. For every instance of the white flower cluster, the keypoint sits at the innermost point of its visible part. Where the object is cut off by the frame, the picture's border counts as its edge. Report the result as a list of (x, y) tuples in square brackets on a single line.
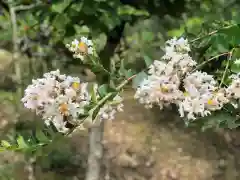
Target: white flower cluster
[(61, 99), (171, 81), (109, 109), (81, 48), (162, 85), (233, 91), (201, 95)]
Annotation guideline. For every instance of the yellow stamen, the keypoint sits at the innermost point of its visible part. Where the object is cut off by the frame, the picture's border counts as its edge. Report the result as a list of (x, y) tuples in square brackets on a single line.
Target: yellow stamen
[(211, 102), (35, 97), (82, 47), (75, 85), (63, 108), (185, 93), (164, 88)]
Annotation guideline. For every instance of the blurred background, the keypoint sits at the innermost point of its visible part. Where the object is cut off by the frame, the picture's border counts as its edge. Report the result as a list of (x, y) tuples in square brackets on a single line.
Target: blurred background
[(139, 144)]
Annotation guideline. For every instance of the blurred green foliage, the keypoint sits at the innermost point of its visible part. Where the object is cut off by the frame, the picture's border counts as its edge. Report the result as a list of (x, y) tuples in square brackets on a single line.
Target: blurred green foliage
[(130, 33)]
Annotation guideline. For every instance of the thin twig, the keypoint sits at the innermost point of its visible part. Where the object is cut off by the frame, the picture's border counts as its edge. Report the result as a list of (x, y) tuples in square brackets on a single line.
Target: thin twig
[(207, 61), (212, 33), (109, 95), (25, 7), (15, 54), (226, 68)]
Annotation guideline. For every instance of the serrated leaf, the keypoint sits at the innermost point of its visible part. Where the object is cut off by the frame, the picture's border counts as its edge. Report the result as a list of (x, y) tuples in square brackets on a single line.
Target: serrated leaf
[(21, 142), (138, 79)]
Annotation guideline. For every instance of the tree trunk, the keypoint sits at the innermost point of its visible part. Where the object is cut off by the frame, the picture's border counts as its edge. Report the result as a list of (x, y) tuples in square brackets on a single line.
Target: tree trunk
[(95, 152)]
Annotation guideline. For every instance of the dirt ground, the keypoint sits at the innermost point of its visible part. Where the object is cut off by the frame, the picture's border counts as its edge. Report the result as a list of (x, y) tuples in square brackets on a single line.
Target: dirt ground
[(144, 145)]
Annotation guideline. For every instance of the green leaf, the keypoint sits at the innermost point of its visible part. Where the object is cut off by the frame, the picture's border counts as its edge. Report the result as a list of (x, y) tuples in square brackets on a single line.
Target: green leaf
[(176, 32), (220, 119), (103, 90), (235, 67), (232, 34), (94, 115), (41, 136), (148, 60), (147, 36), (21, 143), (138, 79), (129, 10), (60, 21), (59, 7), (6, 35), (5, 144), (219, 43), (93, 92), (129, 73)]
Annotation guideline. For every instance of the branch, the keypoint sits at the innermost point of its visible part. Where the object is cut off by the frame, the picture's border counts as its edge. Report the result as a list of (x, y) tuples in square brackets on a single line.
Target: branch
[(25, 7), (15, 54), (207, 61), (95, 140), (226, 68), (109, 95)]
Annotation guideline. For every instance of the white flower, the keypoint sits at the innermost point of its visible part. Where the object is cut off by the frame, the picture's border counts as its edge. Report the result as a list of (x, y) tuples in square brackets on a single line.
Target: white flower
[(61, 99), (78, 56), (199, 94), (57, 98), (90, 50), (160, 90), (233, 91), (81, 48), (177, 45), (157, 68), (192, 107), (199, 83), (216, 100), (60, 124), (73, 46), (108, 111), (70, 92)]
